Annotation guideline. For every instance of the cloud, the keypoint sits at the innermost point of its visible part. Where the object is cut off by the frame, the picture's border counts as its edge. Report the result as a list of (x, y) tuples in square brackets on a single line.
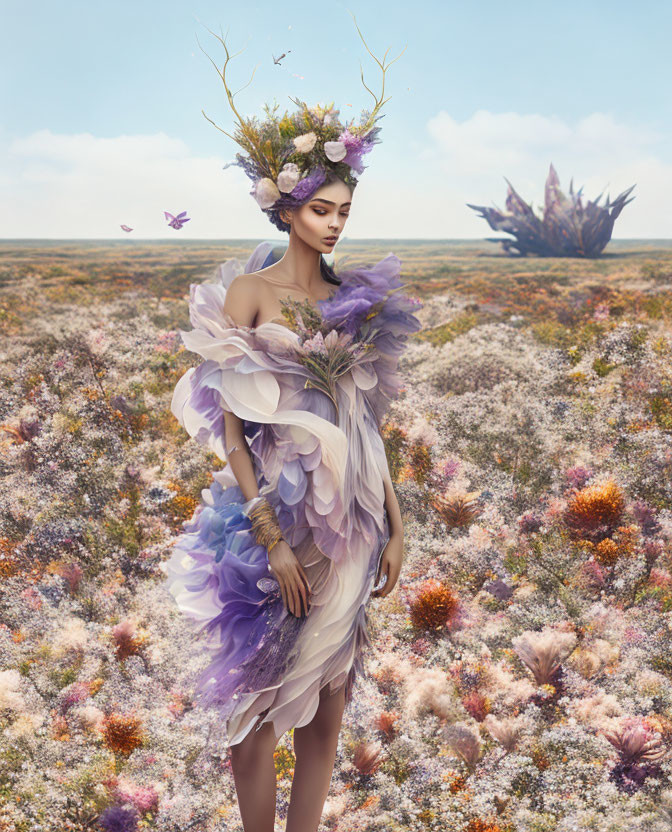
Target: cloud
[(80, 185), (85, 186)]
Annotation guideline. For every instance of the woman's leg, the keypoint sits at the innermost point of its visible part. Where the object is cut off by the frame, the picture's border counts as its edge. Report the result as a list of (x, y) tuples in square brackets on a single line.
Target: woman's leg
[(255, 778), (315, 748)]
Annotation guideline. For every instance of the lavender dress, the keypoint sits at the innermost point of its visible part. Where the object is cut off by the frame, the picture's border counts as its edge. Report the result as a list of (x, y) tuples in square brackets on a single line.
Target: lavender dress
[(311, 399)]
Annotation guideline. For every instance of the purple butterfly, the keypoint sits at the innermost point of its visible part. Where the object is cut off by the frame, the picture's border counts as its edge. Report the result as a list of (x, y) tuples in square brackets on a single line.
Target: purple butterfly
[(178, 221), (126, 228)]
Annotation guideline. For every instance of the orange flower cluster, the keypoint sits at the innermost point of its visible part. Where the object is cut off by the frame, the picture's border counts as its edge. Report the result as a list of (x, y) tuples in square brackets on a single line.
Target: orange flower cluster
[(284, 761), (478, 825), (620, 545), (540, 759), (128, 640), (395, 439), (122, 733), (183, 505), (477, 705), (386, 722), (457, 783), (595, 508), (606, 552), (433, 606), (419, 463), (8, 564), (59, 727)]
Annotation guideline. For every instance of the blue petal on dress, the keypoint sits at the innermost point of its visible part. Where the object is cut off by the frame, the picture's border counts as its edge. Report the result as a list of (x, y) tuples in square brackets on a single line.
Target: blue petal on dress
[(320, 461)]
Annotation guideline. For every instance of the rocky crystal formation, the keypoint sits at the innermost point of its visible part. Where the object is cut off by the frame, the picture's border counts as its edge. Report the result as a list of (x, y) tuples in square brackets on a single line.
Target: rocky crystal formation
[(567, 228)]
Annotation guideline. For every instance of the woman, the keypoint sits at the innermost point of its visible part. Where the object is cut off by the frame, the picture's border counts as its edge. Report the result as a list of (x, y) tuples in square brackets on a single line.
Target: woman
[(279, 560)]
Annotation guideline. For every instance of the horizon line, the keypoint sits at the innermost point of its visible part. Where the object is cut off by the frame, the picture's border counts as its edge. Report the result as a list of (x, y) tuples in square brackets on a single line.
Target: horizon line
[(266, 239)]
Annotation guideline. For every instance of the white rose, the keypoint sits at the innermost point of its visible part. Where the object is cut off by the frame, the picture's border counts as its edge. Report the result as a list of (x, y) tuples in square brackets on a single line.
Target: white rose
[(335, 151), (288, 177), (306, 142), (266, 192)]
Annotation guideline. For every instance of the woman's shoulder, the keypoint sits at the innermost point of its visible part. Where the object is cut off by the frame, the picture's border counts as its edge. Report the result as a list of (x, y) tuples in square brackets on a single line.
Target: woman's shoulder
[(246, 283)]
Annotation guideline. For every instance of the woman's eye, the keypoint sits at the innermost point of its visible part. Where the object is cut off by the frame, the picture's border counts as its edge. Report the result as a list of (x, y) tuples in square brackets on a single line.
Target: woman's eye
[(322, 213)]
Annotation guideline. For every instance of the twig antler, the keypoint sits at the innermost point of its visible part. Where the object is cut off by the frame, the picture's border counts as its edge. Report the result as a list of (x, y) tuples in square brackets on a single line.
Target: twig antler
[(247, 133), (378, 101)]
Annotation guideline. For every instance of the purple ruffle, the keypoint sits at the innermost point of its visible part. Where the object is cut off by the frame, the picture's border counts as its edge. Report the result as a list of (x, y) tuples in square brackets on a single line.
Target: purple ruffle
[(364, 291), (251, 634)]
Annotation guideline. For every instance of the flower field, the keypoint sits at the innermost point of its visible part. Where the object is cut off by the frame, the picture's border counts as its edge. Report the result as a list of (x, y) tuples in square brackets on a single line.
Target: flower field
[(520, 674)]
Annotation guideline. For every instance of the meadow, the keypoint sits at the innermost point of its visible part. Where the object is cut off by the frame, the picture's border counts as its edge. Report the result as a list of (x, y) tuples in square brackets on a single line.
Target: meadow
[(520, 674)]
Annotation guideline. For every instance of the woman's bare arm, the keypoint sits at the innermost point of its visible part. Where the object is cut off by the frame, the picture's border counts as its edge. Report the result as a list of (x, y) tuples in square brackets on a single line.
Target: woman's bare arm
[(392, 504), (393, 554), (393, 510), (241, 303)]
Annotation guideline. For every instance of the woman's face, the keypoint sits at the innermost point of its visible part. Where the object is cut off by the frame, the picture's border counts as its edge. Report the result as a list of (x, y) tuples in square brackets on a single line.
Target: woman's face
[(323, 216)]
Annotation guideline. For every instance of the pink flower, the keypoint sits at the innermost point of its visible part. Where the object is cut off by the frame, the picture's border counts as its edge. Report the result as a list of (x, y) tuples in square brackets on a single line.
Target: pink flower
[(266, 192), (335, 151), (601, 312), (288, 177), (144, 798), (315, 344), (635, 742)]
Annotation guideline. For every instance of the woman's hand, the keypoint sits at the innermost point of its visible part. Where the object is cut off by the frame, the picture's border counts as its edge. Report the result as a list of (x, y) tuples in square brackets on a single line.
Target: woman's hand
[(390, 565), (293, 581)]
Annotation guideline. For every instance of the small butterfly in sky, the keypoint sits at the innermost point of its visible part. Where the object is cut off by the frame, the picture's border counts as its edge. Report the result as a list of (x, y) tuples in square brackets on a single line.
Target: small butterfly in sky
[(178, 221), (125, 228)]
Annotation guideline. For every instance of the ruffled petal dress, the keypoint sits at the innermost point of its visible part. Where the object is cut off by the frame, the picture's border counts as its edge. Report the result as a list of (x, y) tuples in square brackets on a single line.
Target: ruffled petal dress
[(320, 461)]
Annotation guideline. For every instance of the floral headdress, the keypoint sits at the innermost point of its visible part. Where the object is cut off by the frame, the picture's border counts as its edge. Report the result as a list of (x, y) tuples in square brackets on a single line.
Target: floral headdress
[(289, 156)]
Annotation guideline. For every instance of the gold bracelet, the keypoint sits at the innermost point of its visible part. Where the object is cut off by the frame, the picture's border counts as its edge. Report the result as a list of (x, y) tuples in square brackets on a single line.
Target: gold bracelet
[(265, 524)]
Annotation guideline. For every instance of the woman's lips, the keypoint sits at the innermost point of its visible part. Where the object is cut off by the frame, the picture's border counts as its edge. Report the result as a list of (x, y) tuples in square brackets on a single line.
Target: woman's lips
[(330, 239)]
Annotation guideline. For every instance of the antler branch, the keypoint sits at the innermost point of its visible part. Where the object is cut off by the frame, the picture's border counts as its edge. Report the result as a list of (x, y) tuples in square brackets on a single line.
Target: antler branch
[(247, 132), (379, 102)]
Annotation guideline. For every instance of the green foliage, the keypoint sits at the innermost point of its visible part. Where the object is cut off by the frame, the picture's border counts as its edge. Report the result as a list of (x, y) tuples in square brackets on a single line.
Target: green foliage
[(444, 333), (602, 368)]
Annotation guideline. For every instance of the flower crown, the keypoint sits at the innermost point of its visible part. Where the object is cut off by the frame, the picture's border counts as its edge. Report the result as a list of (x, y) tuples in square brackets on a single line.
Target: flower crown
[(289, 156)]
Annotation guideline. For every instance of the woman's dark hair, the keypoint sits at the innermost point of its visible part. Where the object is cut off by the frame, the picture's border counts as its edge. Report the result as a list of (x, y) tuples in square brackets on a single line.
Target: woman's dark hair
[(328, 273)]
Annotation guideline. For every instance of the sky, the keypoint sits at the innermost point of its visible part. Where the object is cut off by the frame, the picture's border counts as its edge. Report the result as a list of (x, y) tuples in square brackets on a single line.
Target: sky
[(101, 122)]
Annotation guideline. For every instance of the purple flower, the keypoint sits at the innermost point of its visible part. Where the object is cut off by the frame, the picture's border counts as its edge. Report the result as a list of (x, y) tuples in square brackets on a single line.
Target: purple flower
[(29, 428), (578, 476), (349, 308), (119, 819), (499, 589), (529, 522), (646, 517), (357, 146), (309, 184), (77, 692), (350, 140), (354, 160)]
